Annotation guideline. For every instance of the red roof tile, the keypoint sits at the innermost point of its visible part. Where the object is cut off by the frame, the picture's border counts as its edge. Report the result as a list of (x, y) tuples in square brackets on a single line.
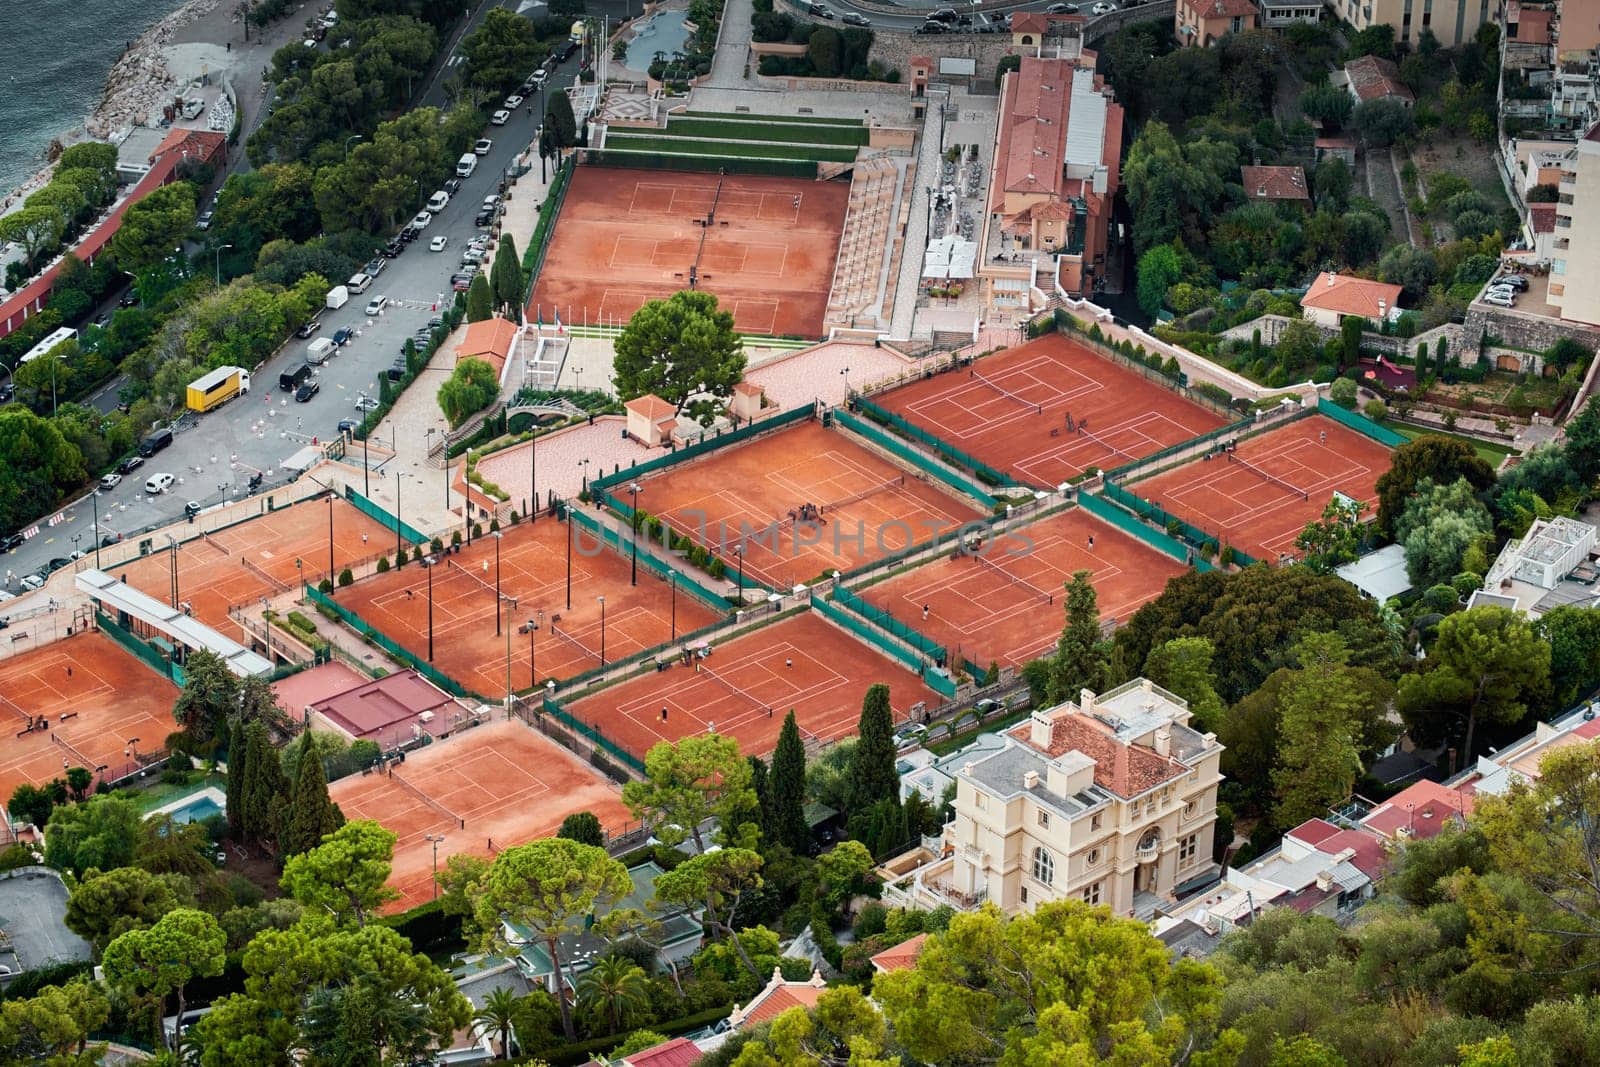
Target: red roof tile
[(1533, 26), (902, 956), (1033, 130), (1373, 78), (1030, 22), (1225, 9), (1124, 768), (1370, 856), (679, 1052), (1421, 810), (1348, 295), (650, 406), (773, 1002), (1542, 217), (1313, 832), (1275, 183)]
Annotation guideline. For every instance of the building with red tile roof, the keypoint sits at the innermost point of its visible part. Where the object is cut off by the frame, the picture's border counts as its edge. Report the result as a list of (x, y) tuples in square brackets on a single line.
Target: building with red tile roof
[(1419, 811), (389, 710), (1374, 78), (901, 957), (491, 340), (1276, 183), (777, 997), (679, 1052), (1201, 23), (1333, 296)]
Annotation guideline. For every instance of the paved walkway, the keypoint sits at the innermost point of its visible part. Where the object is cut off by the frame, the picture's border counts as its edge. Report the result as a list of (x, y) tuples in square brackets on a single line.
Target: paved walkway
[(733, 46)]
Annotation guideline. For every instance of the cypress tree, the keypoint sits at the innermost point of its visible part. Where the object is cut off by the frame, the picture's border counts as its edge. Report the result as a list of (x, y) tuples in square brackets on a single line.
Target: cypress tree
[(480, 301), (506, 278), (758, 784), (786, 790), (1080, 659), (311, 812), (265, 792), (238, 782), (872, 764)]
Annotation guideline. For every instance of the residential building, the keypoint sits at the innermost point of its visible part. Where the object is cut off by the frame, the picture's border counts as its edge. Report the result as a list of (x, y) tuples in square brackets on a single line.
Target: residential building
[(1539, 231), (1333, 296), (1529, 41), (1201, 23), (1276, 184), (1111, 800), (777, 997), (678, 1052), (1276, 14), (900, 957), (1418, 812), (1453, 22), (1577, 29), (1554, 563), (1341, 146), (1058, 154), (1371, 78), (1575, 101), (1575, 251)]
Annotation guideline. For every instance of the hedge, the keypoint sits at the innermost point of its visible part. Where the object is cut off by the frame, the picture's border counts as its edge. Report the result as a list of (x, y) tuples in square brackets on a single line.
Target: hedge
[(743, 130), (687, 146)]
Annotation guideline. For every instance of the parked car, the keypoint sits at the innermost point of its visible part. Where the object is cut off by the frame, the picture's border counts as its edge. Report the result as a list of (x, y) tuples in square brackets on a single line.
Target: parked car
[(1061, 9), (33, 581), (421, 221), (129, 465), (394, 248), (484, 146), (491, 202), (375, 267), (452, 186), (342, 336), (820, 11), (110, 539), (852, 18), (944, 14), (483, 218), (461, 282), (7, 392), (512, 102), (204, 221), (438, 243), (1104, 7), (192, 508), (11, 542), (499, 118), (376, 305), (129, 299), (438, 200), (933, 27), (1500, 299), (910, 735), (409, 234), (1515, 281), (157, 484), (309, 328), (110, 481), (366, 403), (349, 425), (307, 390)]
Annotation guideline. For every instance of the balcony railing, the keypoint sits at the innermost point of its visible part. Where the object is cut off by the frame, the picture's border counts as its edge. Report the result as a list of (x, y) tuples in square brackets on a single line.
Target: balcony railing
[(1147, 850)]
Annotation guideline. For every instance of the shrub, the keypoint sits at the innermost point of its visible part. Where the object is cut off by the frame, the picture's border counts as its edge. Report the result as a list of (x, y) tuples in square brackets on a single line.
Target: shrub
[(383, 565), (346, 578), (325, 586), (1343, 392), (1376, 409), (455, 539)]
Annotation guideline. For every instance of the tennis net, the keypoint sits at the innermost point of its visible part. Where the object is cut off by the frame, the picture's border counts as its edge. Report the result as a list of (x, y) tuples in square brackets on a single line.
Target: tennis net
[(881, 487), (426, 799), (1038, 409), (273, 583), (86, 761), (5, 702), (1023, 582), (573, 641), (730, 687), (1103, 443), (487, 585), (1265, 476)]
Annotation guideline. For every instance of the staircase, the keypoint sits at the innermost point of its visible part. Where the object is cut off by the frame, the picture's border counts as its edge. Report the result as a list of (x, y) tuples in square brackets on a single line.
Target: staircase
[(864, 241)]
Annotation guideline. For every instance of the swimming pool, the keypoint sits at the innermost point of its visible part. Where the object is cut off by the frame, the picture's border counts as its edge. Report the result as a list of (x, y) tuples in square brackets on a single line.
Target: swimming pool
[(196, 810), (662, 32)]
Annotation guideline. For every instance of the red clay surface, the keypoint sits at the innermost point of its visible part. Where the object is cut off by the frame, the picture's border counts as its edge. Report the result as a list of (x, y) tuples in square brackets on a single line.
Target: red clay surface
[(759, 483), (533, 569), (1130, 415), (509, 783), (255, 559), (804, 663), (627, 236), (1314, 454), (985, 617), (115, 697)]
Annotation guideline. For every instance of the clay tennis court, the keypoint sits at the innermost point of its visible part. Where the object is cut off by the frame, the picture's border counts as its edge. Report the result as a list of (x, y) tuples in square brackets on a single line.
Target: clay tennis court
[(743, 496), (109, 696), (804, 663), (533, 569), (998, 614), (626, 236), (506, 781), (1010, 410), (1316, 456), (256, 559)]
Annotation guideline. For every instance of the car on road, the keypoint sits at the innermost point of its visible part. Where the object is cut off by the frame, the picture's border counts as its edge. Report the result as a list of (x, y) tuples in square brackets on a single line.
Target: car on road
[(1061, 9), (342, 336), (483, 218), (944, 14), (309, 328), (110, 539), (366, 403), (438, 243), (568, 50), (910, 735), (500, 118), (821, 11), (1104, 7), (421, 221), (56, 563), (852, 18), (192, 508), (110, 481), (535, 81), (11, 542), (484, 146), (349, 425), (376, 305), (452, 186), (491, 202), (157, 484), (438, 200), (375, 267), (394, 248), (512, 102), (933, 27), (129, 299), (409, 233), (129, 465), (306, 391), (33, 581), (204, 221)]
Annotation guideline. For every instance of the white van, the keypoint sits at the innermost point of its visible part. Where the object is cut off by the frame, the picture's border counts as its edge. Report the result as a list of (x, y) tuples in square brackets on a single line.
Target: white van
[(359, 283), (318, 351), (438, 200), (466, 165)]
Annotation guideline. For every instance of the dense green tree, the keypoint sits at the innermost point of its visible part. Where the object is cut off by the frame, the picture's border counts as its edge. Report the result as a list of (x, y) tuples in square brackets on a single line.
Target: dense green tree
[(30, 804), (98, 833), (506, 279), (154, 226), (312, 813), (210, 695), (159, 961), (584, 828), (36, 229), (550, 888), (1335, 539), (1486, 665), (786, 790), (688, 782), (346, 875), (825, 51), (559, 121), (1319, 755), (471, 387), (480, 299), (1174, 190), (104, 906), (383, 178), (1080, 658), (1439, 459), (614, 988), (37, 465), (359, 1021), (499, 53), (265, 792), (1581, 448), (844, 1027), (53, 1025), (718, 882), (1159, 269), (1437, 526), (682, 349), (1329, 103), (1573, 633), (872, 772), (1183, 667)]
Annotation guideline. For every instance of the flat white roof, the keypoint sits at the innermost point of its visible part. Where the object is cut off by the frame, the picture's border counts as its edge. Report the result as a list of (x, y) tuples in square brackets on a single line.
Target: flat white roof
[(1086, 121), (1380, 575), (175, 624)]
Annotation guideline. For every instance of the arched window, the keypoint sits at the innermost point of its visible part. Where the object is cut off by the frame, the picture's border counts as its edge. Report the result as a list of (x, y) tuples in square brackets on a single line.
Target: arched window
[(1044, 868)]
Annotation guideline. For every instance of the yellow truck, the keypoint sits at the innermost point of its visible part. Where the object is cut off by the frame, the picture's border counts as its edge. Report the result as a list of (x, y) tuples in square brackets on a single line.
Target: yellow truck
[(217, 388)]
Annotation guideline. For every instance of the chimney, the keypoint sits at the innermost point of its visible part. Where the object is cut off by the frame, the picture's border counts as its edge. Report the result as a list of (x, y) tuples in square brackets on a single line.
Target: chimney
[(1164, 740), (1030, 780), (1331, 277), (1325, 881), (1121, 768), (1086, 701)]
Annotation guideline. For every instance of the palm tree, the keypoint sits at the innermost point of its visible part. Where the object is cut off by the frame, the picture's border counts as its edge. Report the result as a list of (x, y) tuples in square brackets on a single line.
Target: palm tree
[(498, 1018), (613, 986)]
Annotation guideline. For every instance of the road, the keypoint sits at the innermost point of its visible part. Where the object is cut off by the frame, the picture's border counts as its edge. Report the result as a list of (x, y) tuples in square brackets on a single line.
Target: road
[(215, 454), (909, 22)]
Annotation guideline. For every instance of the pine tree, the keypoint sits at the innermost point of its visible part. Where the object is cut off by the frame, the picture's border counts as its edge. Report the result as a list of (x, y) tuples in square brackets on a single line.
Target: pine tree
[(1080, 659), (758, 784), (786, 790), (264, 790), (873, 777), (238, 782), (311, 813)]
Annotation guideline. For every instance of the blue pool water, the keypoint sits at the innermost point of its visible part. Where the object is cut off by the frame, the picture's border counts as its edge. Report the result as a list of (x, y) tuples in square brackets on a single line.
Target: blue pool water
[(661, 32), (196, 810)]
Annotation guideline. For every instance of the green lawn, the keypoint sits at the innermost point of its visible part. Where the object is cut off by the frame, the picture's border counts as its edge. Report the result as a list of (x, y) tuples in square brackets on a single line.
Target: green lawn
[(946, 745), (1490, 452), (818, 120), (157, 793), (741, 129), (694, 146)]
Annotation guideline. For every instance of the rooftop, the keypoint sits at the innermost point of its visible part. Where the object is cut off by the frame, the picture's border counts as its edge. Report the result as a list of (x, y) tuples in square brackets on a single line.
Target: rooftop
[(1231, 9), (679, 1052), (403, 698), (1034, 125), (1348, 295), (1275, 183), (1380, 575), (1420, 811), (778, 997), (1374, 78), (1030, 22), (1542, 218), (650, 406), (900, 957)]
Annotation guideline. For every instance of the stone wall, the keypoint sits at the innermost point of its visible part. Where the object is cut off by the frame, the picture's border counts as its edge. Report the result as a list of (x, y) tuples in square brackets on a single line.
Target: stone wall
[(1532, 332)]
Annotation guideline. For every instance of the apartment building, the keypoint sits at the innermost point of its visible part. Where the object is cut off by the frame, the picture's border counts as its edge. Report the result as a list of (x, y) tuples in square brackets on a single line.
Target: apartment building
[(1453, 22), (1201, 23), (1111, 800), (1575, 251)]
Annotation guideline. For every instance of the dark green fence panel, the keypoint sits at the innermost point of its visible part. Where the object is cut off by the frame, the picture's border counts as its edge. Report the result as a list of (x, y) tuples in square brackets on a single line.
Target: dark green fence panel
[(869, 633), (1156, 539), (142, 650), (916, 433), (915, 458), (592, 734), (390, 522), (611, 537), (388, 644), (704, 445), (882, 619), (1359, 423)]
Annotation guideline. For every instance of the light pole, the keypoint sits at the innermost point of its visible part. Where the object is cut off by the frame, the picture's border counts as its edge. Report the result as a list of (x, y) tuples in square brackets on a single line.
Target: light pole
[(348, 141), (845, 374), (511, 605), (572, 531), (94, 500), (533, 471), (333, 579), (738, 551), (436, 840), (366, 472), (428, 562), (633, 488), (218, 272), (602, 629), (531, 627), (172, 542), (399, 548), (672, 576), (498, 536)]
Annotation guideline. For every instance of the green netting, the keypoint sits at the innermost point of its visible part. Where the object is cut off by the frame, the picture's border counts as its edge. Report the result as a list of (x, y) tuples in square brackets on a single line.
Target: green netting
[(915, 458), (1157, 539), (142, 650), (699, 162), (1154, 458), (940, 683), (611, 537), (877, 616), (745, 128), (390, 522), (592, 734), (720, 439), (388, 644), (870, 634), (939, 445), (1359, 423)]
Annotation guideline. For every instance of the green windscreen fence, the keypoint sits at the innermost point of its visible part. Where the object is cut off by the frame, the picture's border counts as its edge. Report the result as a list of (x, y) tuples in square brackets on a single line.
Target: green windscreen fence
[(1162, 542), (389, 521), (699, 162), (591, 732), (608, 536), (885, 621), (721, 439), (915, 458), (1359, 423), (142, 650), (932, 676), (939, 445), (1155, 458), (387, 643)]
